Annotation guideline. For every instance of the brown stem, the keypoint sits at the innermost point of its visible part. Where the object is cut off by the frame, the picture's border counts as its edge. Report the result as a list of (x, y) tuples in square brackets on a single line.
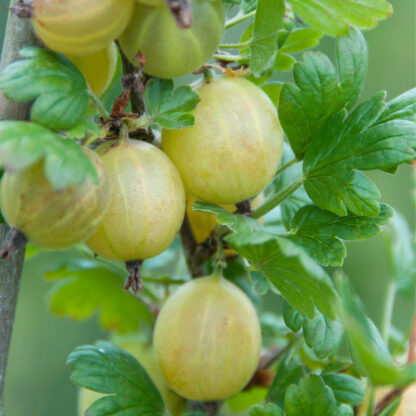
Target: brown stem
[(18, 35), (211, 408), (13, 241), (134, 281), (182, 12), (412, 343), (386, 400), (196, 254)]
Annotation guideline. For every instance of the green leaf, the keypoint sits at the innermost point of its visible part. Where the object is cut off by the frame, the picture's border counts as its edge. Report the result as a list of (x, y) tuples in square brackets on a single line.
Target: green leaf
[(347, 389), (85, 128), (370, 353), (272, 89), (300, 40), (319, 91), (84, 288), (234, 222), (311, 397), (268, 21), (170, 107), (106, 368), (22, 144), (402, 255), (288, 373), (334, 18), (352, 64), (298, 278), (269, 409), (320, 232), (402, 107), (53, 81), (344, 410), (284, 62), (293, 319), (259, 282), (352, 142), (323, 335)]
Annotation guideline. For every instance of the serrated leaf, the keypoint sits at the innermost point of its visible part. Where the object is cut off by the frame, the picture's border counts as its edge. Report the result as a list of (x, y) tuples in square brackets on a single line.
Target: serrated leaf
[(334, 18), (106, 368), (168, 106), (370, 354), (269, 409), (85, 128), (83, 288), (311, 397), (293, 319), (321, 232), (347, 389), (284, 62), (402, 255), (22, 144), (352, 142), (352, 63), (402, 107), (267, 22), (298, 278), (234, 222), (300, 40), (53, 81), (319, 91), (322, 335), (288, 373)]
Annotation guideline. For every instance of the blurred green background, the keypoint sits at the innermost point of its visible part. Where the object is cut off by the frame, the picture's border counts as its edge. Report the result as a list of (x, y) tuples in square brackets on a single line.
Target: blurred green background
[(38, 379)]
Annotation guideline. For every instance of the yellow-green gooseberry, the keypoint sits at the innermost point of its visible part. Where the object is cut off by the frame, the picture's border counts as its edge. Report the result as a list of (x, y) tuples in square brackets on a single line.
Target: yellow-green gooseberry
[(171, 51), (79, 27), (147, 205), (54, 219), (207, 339), (233, 150)]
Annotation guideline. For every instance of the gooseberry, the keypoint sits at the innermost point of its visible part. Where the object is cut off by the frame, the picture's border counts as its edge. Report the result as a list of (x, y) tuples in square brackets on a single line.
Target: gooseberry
[(207, 339), (54, 219), (99, 68), (147, 205), (78, 27), (171, 51), (233, 150)]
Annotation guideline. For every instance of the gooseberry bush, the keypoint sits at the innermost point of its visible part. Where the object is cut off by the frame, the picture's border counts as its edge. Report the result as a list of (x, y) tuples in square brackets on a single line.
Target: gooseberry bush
[(193, 203)]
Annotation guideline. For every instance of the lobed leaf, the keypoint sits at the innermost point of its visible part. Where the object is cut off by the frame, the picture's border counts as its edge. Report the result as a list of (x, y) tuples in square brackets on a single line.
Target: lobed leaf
[(267, 22), (269, 409), (347, 389), (321, 232), (22, 144), (53, 81), (310, 397), (168, 106), (335, 17), (293, 319), (108, 369), (84, 288), (370, 353), (289, 268)]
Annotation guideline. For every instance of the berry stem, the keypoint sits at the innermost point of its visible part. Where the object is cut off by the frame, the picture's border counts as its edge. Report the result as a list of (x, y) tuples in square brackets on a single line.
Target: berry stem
[(277, 199), (286, 166), (99, 105), (240, 17)]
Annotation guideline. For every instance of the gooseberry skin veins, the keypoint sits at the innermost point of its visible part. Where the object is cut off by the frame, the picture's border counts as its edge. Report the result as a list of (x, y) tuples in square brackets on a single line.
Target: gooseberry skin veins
[(233, 150), (54, 219), (76, 27), (169, 50), (147, 206), (207, 339)]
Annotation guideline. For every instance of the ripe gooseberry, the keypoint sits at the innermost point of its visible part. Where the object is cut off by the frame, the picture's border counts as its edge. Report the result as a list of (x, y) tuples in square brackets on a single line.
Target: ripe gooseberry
[(207, 339), (147, 205), (99, 69), (143, 353), (54, 219), (233, 150), (78, 27), (171, 51)]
